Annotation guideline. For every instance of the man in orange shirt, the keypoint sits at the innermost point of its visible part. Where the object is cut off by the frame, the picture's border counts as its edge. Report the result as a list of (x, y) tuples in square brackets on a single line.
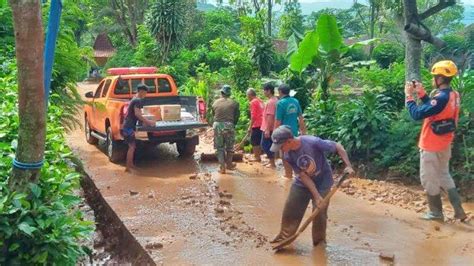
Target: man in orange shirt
[(440, 115)]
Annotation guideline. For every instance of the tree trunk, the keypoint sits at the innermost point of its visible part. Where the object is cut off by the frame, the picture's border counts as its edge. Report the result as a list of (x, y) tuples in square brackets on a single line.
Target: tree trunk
[(413, 48), (269, 18), (29, 45), (372, 25)]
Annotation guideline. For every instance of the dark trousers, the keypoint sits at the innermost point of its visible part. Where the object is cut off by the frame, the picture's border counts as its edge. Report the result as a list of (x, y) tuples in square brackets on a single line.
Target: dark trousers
[(293, 213)]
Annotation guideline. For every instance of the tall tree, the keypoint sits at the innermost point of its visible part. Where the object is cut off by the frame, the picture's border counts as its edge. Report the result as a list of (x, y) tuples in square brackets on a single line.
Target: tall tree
[(127, 14), (27, 24), (167, 23), (415, 32), (292, 20)]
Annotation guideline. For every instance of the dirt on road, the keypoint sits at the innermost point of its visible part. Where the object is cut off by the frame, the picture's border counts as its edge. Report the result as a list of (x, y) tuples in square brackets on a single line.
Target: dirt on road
[(183, 211)]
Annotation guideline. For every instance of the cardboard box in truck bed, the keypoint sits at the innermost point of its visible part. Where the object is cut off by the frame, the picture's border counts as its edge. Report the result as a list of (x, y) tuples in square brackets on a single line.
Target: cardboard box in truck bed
[(154, 110), (171, 112)]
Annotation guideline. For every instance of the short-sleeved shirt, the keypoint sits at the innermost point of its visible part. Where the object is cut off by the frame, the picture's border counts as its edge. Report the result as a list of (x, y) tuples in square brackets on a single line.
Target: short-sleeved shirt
[(256, 112), (226, 110), (288, 110), (131, 119), (311, 158), (270, 109)]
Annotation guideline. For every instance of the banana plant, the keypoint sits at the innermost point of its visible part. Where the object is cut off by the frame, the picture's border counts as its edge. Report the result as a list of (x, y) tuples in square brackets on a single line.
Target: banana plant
[(320, 52)]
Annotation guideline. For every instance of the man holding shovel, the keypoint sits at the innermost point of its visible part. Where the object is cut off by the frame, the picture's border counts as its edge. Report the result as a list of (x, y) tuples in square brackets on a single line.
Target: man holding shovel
[(226, 116), (306, 155)]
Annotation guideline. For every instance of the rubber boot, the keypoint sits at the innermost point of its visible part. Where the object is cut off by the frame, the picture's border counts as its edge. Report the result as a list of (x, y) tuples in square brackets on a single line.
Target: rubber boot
[(436, 208), (230, 165), (455, 200), (221, 158)]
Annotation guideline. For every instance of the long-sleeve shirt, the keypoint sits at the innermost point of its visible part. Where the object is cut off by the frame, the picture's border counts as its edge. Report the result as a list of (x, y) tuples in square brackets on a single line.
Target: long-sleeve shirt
[(444, 105)]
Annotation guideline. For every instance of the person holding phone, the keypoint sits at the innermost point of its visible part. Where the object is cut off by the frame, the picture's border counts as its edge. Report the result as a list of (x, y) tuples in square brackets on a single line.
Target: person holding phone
[(440, 115)]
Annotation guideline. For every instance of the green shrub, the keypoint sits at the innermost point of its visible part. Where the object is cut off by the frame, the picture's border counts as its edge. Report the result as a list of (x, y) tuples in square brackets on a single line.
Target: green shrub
[(401, 153), (124, 57), (387, 53), (42, 226)]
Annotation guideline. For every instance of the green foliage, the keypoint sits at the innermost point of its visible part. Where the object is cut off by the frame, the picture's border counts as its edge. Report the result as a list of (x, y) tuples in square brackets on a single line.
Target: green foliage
[(147, 49), (401, 153), (218, 23), (291, 20), (70, 65), (360, 124), (167, 24), (390, 80), (348, 20), (124, 57), (306, 52), (323, 50), (43, 225), (387, 53), (204, 85), (244, 120), (263, 54), (6, 27), (238, 59)]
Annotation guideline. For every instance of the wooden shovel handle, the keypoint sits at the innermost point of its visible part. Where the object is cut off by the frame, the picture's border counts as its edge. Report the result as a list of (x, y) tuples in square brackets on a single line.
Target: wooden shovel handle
[(323, 203)]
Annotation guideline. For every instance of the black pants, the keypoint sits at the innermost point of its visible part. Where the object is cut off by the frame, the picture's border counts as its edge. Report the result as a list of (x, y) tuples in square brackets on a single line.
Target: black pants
[(293, 213)]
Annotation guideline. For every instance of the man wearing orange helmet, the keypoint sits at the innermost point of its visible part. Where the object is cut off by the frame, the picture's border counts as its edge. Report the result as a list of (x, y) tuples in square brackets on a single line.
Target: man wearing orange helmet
[(440, 115)]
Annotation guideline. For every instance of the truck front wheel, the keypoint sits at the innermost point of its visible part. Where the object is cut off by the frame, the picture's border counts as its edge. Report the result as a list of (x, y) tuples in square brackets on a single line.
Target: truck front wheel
[(186, 148), (88, 131), (115, 149)]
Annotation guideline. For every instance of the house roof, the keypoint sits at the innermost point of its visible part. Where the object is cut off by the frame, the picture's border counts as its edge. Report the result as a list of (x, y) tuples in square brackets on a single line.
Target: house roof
[(103, 46), (280, 46)]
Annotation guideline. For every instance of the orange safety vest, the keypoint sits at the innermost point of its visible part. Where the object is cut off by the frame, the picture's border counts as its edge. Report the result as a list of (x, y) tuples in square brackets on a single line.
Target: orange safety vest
[(429, 141)]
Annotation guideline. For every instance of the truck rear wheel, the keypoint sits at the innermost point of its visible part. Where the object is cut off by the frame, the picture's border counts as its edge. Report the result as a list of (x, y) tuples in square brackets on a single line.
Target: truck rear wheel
[(88, 131), (186, 148), (115, 149)]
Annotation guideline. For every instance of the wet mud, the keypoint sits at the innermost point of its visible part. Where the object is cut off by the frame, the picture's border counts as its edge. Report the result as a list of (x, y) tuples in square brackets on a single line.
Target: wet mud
[(182, 211)]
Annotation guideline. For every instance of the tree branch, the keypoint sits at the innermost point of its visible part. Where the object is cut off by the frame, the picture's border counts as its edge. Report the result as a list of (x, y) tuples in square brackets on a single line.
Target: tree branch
[(420, 33), (442, 4)]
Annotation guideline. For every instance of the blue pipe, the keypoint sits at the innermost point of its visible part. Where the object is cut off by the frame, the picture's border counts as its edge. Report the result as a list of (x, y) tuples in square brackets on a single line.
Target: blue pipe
[(50, 45)]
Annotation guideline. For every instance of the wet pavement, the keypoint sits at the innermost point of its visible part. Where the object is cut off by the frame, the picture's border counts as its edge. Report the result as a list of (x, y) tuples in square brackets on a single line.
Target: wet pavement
[(184, 212)]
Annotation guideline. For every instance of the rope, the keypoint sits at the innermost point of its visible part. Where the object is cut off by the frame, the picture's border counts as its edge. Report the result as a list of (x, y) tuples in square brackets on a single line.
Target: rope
[(27, 166)]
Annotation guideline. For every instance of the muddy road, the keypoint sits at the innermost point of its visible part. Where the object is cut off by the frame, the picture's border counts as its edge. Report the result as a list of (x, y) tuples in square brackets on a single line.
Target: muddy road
[(183, 211)]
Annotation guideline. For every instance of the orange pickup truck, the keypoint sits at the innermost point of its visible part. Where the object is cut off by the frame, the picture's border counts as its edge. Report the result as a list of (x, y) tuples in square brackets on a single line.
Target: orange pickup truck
[(105, 109)]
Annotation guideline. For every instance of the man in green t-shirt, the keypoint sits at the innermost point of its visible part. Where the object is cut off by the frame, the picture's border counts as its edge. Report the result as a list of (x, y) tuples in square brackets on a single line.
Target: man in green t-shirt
[(289, 113)]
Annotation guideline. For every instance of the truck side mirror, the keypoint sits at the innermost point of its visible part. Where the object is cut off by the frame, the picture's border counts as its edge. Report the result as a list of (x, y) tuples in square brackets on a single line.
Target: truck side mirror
[(89, 94)]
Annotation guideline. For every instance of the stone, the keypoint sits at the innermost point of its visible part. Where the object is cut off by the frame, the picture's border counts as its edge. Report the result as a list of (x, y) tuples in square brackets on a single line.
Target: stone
[(133, 193), (154, 246), (387, 256)]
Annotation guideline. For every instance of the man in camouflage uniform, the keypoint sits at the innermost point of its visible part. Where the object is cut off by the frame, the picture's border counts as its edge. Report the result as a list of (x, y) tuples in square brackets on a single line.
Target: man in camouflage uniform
[(226, 115)]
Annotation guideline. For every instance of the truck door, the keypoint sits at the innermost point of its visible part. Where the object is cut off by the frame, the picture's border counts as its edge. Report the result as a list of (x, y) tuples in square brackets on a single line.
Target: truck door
[(100, 111), (92, 119)]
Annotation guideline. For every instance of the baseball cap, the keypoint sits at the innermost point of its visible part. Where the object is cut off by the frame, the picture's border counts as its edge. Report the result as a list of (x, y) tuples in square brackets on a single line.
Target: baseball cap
[(279, 136), (142, 87)]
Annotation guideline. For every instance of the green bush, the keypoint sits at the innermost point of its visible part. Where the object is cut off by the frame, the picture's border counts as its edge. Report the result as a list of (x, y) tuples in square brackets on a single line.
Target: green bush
[(390, 80), (43, 225), (238, 58), (387, 53), (124, 57), (401, 153)]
